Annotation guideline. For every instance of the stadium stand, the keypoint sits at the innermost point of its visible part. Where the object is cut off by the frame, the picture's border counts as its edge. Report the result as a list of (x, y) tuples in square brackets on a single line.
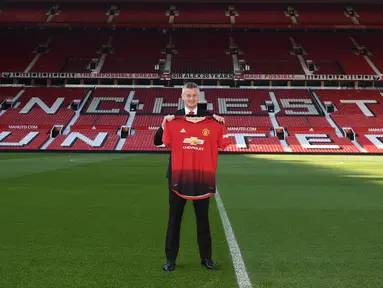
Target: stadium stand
[(251, 128), (44, 112)]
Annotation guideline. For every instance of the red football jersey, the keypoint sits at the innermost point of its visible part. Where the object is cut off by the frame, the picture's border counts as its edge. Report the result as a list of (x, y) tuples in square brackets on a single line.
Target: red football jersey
[(194, 155)]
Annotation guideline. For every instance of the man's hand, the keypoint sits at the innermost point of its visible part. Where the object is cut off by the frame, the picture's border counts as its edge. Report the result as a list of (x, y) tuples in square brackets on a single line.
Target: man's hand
[(167, 118), (219, 118)]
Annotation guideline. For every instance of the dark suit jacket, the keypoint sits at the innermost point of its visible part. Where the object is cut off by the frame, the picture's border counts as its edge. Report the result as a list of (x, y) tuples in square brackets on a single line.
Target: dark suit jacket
[(160, 131)]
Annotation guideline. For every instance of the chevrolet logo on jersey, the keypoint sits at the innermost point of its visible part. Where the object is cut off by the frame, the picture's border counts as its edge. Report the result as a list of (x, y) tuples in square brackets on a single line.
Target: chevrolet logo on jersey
[(193, 141)]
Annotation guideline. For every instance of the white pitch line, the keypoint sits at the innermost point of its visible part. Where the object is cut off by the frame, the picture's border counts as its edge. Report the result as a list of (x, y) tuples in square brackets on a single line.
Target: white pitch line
[(243, 279)]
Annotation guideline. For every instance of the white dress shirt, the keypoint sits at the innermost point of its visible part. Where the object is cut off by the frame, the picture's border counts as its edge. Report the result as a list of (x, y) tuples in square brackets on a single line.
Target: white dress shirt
[(187, 110)]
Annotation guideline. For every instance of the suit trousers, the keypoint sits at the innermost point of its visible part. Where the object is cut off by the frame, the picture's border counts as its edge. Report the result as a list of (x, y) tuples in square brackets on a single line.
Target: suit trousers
[(176, 209)]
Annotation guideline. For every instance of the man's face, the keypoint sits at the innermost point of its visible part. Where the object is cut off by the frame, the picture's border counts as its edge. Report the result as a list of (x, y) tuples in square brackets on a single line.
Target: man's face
[(191, 97)]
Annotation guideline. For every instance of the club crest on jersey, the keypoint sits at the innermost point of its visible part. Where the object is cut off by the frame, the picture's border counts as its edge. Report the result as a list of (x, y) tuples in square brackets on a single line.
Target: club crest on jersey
[(205, 132), (193, 141)]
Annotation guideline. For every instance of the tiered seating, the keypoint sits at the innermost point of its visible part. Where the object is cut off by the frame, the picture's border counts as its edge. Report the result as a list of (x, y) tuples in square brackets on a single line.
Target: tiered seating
[(27, 114), (296, 102), (248, 121), (148, 121), (368, 144), (136, 13), (89, 13), (247, 118), (16, 50), (33, 140), (37, 116), (70, 51), (241, 101), (147, 97), (110, 120), (369, 14), (338, 144), (201, 13), (105, 107), (268, 53), (107, 101), (349, 114), (154, 121), (333, 54), (255, 144), (322, 14), (192, 13), (264, 13), (8, 93), (318, 122), (373, 43), (24, 13), (135, 52), (99, 140), (208, 53), (202, 66), (142, 141)]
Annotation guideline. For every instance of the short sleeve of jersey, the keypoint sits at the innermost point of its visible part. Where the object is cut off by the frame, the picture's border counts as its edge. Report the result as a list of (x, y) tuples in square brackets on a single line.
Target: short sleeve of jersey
[(223, 138), (167, 135)]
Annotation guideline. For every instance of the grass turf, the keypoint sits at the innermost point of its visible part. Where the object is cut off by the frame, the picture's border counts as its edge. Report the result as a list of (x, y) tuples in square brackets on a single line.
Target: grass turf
[(99, 220)]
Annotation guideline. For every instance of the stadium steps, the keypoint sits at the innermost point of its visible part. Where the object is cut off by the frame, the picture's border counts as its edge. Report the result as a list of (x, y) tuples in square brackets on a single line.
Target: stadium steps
[(129, 101), (18, 95), (47, 143), (372, 65), (77, 113), (130, 121), (333, 124), (100, 63), (317, 103), (274, 121), (275, 102), (33, 62), (360, 147), (367, 58), (327, 115)]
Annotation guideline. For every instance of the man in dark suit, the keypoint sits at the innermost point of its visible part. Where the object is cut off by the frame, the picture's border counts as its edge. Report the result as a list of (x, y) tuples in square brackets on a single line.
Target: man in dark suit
[(190, 96)]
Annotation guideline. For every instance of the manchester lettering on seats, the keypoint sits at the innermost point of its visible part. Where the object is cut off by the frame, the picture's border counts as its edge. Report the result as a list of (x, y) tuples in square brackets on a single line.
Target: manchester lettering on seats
[(306, 141), (96, 102), (225, 103), (362, 105), (299, 104), (241, 139), (159, 105), (98, 141), (37, 101)]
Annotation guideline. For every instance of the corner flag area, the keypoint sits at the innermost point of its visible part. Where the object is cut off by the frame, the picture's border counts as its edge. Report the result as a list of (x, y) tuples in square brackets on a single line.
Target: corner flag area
[(99, 220)]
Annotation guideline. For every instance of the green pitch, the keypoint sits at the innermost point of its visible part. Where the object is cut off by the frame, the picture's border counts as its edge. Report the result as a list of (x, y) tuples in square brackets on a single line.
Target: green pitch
[(99, 220)]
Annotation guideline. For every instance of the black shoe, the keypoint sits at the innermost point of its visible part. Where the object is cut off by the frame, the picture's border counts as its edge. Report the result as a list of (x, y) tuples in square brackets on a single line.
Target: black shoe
[(169, 266), (209, 264)]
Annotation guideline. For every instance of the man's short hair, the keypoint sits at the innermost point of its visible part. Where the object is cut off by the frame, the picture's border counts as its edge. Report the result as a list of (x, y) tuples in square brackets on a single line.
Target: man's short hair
[(189, 85)]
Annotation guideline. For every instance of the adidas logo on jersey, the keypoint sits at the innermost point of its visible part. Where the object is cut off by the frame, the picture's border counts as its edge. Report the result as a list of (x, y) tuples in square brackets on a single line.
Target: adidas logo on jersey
[(183, 130)]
